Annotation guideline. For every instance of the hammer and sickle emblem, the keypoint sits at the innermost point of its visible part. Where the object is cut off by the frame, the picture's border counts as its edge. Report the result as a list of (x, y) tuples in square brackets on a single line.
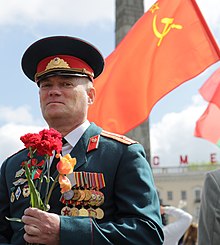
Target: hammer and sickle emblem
[(168, 24)]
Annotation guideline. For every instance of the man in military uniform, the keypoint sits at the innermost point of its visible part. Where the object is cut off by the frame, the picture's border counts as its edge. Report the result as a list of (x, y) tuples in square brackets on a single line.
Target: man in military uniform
[(113, 199)]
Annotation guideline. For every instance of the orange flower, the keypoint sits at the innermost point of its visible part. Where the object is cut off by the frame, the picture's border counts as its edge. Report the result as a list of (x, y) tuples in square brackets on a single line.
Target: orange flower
[(66, 164), (65, 183)]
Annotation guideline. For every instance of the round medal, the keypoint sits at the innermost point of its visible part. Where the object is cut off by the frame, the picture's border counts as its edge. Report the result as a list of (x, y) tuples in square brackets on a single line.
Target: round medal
[(83, 212), (66, 211), (100, 198), (74, 211), (68, 195), (76, 195), (82, 195), (92, 212), (92, 200), (99, 213), (88, 195)]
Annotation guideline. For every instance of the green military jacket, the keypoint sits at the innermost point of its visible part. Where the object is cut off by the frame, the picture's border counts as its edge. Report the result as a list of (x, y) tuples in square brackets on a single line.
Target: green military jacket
[(131, 206)]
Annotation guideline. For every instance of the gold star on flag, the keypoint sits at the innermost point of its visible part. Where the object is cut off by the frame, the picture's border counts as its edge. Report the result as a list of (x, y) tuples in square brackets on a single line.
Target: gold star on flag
[(154, 8)]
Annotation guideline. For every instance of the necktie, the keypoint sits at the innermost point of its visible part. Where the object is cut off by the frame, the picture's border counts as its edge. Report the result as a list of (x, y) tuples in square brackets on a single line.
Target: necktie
[(56, 160), (64, 141)]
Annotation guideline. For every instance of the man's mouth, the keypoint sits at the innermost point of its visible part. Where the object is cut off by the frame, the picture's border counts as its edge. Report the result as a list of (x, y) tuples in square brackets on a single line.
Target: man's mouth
[(54, 102)]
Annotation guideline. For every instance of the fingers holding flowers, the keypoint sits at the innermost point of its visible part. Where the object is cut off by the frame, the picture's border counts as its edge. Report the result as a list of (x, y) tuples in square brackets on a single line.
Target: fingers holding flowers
[(39, 224)]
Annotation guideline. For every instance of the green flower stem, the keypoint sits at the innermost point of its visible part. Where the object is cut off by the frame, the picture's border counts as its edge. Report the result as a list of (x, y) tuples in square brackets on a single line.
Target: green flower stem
[(41, 176), (47, 159), (35, 199), (51, 190)]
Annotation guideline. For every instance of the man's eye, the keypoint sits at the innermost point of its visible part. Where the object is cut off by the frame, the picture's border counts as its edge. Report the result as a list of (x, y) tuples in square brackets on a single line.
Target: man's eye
[(67, 84), (45, 85)]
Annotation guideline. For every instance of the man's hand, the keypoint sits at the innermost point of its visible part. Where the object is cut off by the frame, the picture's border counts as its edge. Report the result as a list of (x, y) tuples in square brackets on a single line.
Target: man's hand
[(41, 227)]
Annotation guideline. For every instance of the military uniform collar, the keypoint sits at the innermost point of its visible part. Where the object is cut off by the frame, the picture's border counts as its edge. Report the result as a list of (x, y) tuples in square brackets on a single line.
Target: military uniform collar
[(73, 137)]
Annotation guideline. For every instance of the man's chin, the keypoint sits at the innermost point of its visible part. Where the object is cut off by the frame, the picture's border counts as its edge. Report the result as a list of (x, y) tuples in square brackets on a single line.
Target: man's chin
[(52, 116)]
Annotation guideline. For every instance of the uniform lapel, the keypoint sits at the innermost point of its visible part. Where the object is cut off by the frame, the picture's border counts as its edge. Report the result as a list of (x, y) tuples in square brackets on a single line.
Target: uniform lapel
[(80, 153), (80, 150)]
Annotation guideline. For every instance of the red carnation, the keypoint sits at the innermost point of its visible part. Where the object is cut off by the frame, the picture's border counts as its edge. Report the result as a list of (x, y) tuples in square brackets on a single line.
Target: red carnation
[(31, 140), (45, 142)]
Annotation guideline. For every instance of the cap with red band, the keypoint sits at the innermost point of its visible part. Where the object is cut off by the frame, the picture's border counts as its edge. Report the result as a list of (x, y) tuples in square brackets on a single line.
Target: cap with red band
[(65, 64), (61, 55)]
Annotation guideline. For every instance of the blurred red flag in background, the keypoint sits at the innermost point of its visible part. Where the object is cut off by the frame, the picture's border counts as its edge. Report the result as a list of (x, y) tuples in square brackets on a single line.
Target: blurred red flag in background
[(170, 44), (208, 125), (210, 90)]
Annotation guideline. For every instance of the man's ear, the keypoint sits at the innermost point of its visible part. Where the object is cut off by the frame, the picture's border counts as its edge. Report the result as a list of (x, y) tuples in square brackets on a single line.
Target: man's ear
[(91, 95)]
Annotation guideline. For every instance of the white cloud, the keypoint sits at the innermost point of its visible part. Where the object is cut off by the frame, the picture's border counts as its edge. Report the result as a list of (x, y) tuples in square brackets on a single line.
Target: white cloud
[(10, 138), (78, 13), (16, 115), (173, 137), (74, 13), (17, 122), (210, 10)]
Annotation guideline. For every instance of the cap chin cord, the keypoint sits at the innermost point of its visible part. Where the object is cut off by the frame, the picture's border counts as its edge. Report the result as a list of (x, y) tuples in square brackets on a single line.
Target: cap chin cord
[(40, 77)]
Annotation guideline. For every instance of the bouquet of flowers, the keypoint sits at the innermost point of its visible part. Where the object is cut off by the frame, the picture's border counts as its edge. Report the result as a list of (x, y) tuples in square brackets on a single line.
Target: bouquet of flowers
[(44, 144)]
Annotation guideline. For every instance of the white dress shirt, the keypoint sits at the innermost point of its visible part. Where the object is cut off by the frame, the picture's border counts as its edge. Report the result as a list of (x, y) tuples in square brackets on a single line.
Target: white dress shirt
[(72, 138)]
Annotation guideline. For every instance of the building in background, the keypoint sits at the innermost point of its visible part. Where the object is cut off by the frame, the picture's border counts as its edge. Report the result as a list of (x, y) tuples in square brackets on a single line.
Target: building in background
[(182, 186)]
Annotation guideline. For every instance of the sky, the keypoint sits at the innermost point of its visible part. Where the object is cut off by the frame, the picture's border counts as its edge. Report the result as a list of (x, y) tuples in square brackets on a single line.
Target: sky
[(173, 118)]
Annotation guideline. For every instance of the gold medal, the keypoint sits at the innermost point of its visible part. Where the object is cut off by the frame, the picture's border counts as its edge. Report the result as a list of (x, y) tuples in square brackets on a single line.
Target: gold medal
[(99, 213), (83, 212), (76, 195), (92, 200), (100, 198), (82, 195), (74, 211), (88, 195)]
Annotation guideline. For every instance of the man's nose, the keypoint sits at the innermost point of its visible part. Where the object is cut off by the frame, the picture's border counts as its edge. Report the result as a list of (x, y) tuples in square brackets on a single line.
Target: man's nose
[(55, 90)]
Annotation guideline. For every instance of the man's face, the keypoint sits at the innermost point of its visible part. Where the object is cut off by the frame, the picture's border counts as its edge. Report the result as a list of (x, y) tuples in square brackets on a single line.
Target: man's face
[(65, 97)]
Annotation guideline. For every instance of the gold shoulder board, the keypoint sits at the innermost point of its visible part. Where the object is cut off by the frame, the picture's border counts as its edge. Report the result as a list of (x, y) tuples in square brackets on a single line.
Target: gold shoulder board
[(118, 137)]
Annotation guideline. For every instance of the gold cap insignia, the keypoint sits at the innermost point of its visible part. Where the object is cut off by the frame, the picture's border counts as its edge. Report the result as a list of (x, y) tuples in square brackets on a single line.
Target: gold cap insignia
[(57, 63)]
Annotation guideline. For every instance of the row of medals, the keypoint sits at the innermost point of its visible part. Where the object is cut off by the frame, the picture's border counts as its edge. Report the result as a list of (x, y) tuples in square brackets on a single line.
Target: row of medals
[(78, 201), (81, 201)]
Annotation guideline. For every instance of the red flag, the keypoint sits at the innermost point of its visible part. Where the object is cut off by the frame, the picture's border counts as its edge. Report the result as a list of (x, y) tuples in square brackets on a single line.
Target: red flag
[(210, 90), (208, 126), (170, 44)]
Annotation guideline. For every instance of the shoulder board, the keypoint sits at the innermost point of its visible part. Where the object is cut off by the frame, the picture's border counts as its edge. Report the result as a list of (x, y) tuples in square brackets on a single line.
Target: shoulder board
[(118, 137)]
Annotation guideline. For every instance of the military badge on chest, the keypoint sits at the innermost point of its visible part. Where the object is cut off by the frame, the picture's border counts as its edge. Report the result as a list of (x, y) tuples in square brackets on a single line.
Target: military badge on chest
[(85, 197), (20, 187)]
